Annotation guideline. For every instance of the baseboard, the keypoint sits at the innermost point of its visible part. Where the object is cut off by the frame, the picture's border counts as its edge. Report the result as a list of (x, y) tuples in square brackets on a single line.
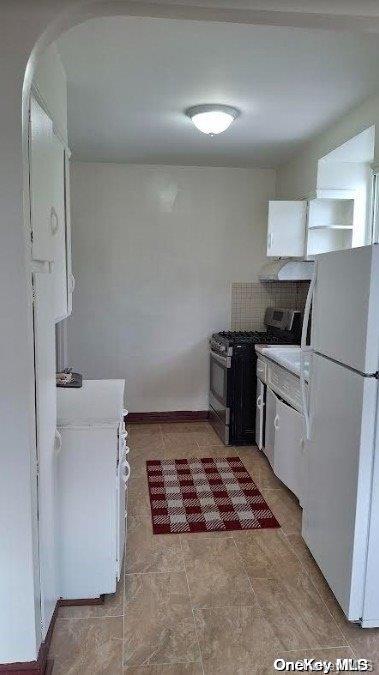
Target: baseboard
[(81, 601), (43, 665), (168, 416)]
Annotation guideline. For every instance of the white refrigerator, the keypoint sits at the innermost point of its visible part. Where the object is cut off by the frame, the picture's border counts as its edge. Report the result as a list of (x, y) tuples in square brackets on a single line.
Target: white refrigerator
[(341, 506)]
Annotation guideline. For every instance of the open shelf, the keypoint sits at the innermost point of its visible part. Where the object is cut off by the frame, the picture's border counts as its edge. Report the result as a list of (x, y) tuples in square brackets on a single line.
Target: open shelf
[(330, 224), (324, 239)]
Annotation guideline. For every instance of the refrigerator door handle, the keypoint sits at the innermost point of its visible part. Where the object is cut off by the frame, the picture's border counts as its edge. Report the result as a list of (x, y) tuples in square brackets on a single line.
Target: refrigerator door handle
[(305, 348)]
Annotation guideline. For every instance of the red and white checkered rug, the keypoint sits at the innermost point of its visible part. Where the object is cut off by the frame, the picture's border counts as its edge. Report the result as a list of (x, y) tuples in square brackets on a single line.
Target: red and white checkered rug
[(205, 495)]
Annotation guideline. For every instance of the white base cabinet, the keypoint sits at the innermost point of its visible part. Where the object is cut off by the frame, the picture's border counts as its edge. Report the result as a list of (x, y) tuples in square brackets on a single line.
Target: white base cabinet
[(288, 453), (269, 445), (93, 473), (278, 394)]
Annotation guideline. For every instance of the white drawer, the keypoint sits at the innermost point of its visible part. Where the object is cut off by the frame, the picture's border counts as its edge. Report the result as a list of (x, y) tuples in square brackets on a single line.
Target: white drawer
[(261, 369), (285, 384)]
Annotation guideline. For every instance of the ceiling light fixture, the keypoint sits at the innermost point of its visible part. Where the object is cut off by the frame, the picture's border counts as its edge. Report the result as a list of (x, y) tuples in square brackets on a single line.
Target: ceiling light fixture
[(212, 119)]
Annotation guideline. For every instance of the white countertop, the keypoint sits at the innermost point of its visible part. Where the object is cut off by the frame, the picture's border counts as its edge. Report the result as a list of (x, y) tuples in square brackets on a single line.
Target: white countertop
[(96, 402), (287, 356)]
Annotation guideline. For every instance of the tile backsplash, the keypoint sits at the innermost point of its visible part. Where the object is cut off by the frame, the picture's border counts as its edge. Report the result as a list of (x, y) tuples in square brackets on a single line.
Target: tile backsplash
[(249, 301)]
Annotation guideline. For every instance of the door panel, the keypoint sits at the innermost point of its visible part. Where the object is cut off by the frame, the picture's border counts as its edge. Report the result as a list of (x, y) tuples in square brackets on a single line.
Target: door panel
[(288, 456), (41, 182), (338, 462), (60, 279), (345, 320), (286, 228), (260, 414), (70, 277), (268, 449), (44, 336)]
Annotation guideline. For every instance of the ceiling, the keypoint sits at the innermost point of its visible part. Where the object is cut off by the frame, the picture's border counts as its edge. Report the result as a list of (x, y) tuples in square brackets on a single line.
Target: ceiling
[(130, 79)]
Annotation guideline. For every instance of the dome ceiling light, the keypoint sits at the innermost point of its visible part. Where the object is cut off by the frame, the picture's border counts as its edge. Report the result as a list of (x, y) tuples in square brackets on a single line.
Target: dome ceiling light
[(212, 119)]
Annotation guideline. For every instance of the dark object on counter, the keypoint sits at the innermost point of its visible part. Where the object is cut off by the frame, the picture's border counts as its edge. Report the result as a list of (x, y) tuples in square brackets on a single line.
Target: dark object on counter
[(233, 377), (69, 380)]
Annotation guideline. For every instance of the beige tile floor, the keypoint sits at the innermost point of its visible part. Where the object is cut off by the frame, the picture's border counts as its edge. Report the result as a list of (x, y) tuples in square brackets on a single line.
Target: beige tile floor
[(208, 603)]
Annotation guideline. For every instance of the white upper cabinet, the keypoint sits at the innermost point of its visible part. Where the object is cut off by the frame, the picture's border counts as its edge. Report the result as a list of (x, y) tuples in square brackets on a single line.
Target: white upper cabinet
[(70, 276), (286, 228), (50, 207), (62, 277), (306, 228), (41, 183)]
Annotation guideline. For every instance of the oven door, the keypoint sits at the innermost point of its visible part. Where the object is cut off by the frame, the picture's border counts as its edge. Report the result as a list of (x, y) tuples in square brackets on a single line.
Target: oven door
[(220, 373)]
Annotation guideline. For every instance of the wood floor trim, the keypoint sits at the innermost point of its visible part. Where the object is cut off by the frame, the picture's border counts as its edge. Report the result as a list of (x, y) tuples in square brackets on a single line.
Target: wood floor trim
[(170, 416)]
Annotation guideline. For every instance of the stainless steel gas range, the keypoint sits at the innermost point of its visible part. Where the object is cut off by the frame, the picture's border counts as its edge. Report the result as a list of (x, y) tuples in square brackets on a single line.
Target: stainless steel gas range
[(233, 381)]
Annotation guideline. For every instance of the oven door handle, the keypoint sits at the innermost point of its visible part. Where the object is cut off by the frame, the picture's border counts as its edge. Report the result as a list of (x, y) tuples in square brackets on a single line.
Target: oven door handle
[(225, 361)]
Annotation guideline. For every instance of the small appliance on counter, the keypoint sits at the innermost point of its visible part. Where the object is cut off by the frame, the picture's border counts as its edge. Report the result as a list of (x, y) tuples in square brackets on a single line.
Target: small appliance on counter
[(233, 378), (68, 379)]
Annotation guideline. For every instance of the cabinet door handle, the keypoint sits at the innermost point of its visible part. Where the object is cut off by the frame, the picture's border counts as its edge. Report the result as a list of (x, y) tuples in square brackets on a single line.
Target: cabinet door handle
[(54, 221), (260, 402), (276, 422), (270, 239), (126, 475)]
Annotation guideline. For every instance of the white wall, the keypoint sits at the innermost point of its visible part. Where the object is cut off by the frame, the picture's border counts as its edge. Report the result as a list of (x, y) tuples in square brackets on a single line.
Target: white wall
[(51, 84), (155, 249), (297, 178)]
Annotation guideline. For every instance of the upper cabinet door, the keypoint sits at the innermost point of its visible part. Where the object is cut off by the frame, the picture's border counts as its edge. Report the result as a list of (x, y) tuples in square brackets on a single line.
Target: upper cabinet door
[(286, 228), (60, 276), (41, 183), (70, 277)]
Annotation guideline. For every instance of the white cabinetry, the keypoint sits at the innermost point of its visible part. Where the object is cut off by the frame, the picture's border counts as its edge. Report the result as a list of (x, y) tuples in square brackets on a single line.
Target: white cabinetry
[(41, 182), (283, 438), (93, 472), (260, 414), (286, 228), (61, 269), (269, 446), (50, 206), (288, 455), (304, 229)]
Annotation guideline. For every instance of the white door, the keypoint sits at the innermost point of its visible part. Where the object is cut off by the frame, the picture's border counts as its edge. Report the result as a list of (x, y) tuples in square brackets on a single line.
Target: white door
[(268, 449), (286, 228), (338, 461), (60, 279), (260, 415), (288, 455), (46, 415), (41, 182), (345, 319)]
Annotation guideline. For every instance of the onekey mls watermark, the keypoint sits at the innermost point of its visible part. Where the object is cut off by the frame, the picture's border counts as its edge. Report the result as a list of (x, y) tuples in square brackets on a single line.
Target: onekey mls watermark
[(314, 665)]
